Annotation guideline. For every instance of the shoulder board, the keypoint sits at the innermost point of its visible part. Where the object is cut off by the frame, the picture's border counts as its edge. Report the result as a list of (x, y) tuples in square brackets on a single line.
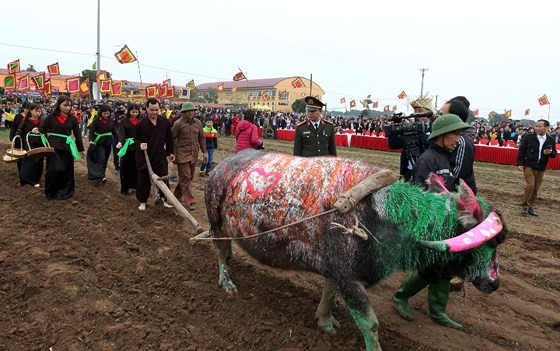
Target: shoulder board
[(329, 122), (300, 123)]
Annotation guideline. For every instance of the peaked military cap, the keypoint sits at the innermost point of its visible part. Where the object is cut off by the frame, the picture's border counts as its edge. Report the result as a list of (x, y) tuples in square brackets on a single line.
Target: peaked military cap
[(313, 104)]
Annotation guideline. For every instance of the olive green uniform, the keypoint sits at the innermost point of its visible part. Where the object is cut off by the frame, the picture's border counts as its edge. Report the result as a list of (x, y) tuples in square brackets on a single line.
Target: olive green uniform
[(309, 142)]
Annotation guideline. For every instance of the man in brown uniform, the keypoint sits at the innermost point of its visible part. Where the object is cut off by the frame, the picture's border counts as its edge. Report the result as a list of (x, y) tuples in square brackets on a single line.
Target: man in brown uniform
[(153, 134), (188, 138)]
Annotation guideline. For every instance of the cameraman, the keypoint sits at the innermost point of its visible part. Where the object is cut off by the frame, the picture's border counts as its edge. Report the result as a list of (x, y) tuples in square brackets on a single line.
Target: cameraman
[(413, 148)]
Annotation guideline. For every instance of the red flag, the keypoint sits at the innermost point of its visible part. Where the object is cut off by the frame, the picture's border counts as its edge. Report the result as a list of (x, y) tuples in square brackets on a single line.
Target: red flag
[(105, 86), (53, 69), (475, 112), (239, 76), (170, 92), (543, 100), (47, 87), (343, 100), (14, 66), (298, 83), (352, 103), (402, 95), (73, 84), (527, 112), (151, 91), (39, 80), (124, 55), (116, 88), (10, 81), (162, 91), (24, 83), (375, 104)]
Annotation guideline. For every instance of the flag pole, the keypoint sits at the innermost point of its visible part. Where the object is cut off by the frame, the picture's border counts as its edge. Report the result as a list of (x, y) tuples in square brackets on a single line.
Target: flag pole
[(311, 85), (548, 117), (98, 94), (140, 73)]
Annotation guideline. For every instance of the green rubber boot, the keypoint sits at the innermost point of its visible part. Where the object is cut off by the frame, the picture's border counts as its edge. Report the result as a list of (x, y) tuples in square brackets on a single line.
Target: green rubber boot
[(438, 295), (409, 287)]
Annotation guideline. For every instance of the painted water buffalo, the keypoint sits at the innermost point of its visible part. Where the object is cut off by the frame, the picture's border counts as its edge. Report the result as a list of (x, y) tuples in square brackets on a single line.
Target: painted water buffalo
[(253, 191)]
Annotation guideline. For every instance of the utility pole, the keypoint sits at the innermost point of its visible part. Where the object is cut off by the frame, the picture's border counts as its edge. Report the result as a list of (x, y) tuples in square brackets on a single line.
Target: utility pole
[(98, 54), (422, 86)]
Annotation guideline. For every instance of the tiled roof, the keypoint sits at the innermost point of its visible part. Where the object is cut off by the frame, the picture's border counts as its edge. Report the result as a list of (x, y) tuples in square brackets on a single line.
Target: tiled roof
[(245, 84)]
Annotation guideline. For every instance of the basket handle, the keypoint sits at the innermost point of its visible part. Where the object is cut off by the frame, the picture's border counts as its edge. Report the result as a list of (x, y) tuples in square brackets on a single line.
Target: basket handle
[(17, 136), (43, 139)]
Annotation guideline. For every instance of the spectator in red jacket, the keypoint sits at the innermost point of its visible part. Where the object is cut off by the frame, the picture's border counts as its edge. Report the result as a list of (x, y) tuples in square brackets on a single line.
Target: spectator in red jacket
[(246, 134)]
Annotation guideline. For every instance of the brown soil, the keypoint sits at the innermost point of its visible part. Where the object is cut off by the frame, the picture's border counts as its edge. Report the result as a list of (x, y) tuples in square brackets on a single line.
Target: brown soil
[(94, 273)]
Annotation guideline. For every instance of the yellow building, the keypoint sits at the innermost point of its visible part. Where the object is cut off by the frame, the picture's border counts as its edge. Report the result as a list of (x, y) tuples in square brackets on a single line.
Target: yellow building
[(275, 94)]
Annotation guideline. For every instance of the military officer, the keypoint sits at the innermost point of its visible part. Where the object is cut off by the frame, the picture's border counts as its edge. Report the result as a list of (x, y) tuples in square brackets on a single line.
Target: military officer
[(315, 136)]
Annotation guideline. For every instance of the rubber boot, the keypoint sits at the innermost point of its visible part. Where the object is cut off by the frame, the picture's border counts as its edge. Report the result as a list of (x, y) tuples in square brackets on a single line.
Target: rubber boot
[(438, 295), (409, 287)]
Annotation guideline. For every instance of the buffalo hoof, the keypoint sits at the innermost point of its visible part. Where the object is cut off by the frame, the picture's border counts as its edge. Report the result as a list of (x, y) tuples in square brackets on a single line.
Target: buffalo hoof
[(328, 324)]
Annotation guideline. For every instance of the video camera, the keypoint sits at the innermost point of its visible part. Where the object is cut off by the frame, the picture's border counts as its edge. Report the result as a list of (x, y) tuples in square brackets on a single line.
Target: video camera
[(409, 132), (406, 129)]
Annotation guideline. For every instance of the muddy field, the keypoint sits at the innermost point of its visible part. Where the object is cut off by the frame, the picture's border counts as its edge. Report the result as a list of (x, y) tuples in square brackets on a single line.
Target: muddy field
[(94, 273)]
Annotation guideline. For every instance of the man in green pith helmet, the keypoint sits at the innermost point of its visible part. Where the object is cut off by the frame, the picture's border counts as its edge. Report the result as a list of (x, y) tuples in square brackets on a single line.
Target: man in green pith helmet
[(446, 132)]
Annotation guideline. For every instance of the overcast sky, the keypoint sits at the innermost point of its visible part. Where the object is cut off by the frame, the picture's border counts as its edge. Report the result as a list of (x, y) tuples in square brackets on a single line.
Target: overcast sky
[(499, 54)]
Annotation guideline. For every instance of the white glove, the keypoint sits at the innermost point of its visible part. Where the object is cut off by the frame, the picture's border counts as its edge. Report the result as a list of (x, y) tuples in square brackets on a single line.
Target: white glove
[(119, 145), (143, 146)]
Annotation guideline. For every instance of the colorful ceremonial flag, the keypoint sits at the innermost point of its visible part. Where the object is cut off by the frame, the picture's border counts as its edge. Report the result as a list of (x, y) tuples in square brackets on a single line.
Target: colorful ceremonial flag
[(239, 76), (167, 82), (170, 92), (508, 113), (343, 100), (386, 108), (14, 66), (365, 104), (283, 95), (185, 93), (39, 80), (527, 112), (352, 103), (190, 84), (105, 86), (84, 86), (543, 100), (220, 87), (47, 87), (162, 90), (475, 112), (73, 84), (53, 69), (402, 95), (116, 88), (124, 55), (24, 83), (151, 91), (265, 95), (10, 81), (298, 83), (102, 75), (375, 104), (395, 108)]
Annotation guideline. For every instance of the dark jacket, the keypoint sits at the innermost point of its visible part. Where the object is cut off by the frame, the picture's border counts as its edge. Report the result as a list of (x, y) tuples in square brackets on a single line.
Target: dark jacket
[(309, 142), (462, 160), (97, 127), (528, 155), (434, 160), (51, 124)]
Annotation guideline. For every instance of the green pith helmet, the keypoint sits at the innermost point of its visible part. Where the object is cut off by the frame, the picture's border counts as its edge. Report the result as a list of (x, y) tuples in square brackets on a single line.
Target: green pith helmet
[(447, 123), (188, 106)]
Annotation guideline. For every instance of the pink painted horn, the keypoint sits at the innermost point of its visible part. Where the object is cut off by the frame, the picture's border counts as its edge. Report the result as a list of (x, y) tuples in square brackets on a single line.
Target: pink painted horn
[(484, 231)]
